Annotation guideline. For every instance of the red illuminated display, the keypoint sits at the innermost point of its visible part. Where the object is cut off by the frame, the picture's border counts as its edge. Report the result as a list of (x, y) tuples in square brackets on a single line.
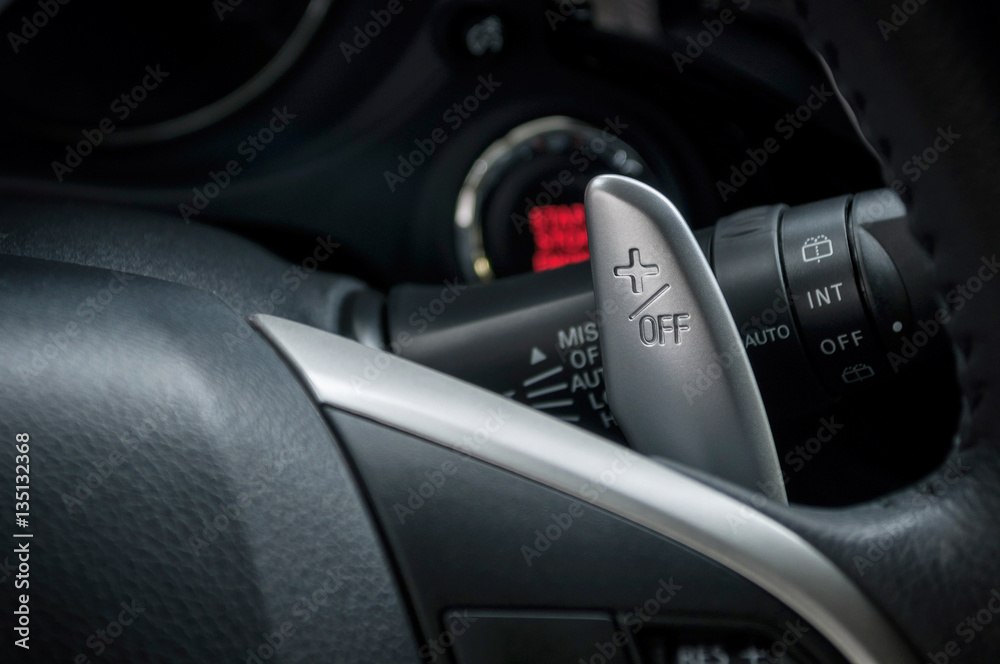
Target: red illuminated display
[(560, 236)]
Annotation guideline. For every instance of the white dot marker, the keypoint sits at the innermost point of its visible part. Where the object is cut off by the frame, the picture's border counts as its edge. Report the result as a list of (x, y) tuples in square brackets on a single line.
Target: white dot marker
[(897, 326)]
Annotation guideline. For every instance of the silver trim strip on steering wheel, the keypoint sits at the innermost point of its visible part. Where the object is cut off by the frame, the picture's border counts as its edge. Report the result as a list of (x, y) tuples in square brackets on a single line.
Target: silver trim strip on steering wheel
[(425, 403)]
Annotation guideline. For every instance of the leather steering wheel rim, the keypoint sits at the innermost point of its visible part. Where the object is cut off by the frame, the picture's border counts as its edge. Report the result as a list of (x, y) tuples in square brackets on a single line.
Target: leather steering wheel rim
[(915, 73)]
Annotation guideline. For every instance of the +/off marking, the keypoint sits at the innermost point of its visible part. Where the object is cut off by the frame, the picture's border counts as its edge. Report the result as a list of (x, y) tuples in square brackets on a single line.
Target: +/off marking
[(636, 271), (645, 305)]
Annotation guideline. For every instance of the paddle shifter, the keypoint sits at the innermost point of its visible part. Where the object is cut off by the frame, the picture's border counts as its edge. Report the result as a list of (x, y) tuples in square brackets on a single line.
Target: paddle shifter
[(663, 318), (832, 301)]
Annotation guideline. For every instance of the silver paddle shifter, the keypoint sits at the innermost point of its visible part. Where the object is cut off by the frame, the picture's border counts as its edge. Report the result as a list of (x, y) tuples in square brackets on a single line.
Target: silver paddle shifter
[(663, 322)]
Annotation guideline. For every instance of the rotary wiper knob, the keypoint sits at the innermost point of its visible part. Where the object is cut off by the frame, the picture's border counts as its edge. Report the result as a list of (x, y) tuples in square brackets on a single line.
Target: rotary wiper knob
[(678, 378)]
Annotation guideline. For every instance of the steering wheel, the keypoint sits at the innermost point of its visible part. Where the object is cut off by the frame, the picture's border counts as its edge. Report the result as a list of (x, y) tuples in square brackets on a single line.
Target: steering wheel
[(911, 73), (181, 484)]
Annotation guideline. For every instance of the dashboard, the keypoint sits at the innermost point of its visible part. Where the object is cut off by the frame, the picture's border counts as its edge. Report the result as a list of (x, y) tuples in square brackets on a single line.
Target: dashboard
[(381, 143), (475, 331), (448, 142)]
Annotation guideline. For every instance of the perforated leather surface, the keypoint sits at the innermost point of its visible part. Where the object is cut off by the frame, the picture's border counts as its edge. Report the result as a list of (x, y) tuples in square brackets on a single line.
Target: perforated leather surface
[(930, 555), (189, 479)]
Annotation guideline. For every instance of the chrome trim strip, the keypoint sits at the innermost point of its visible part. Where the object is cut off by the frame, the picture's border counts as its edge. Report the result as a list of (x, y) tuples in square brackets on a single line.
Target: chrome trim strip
[(423, 402)]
